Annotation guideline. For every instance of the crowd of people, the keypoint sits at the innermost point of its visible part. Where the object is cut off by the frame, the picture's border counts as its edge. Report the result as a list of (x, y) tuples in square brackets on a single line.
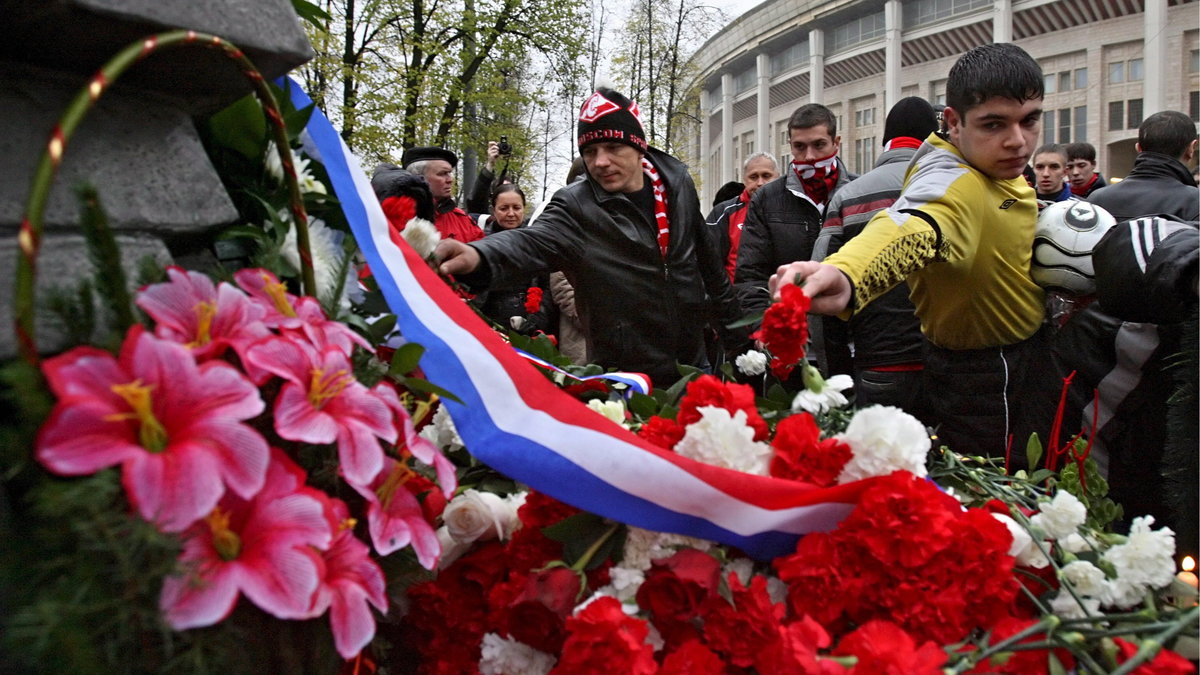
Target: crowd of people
[(918, 270)]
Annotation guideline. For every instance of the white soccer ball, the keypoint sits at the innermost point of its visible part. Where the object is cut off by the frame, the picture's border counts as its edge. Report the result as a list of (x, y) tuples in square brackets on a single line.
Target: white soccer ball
[(1062, 245)]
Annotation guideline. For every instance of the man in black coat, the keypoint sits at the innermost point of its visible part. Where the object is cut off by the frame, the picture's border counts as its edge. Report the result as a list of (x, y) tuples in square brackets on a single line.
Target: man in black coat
[(785, 216), (631, 239), (1160, 181)]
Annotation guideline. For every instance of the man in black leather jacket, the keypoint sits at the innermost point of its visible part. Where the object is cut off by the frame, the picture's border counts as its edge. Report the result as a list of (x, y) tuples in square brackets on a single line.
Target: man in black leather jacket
[(1160, 181), (644, 292)]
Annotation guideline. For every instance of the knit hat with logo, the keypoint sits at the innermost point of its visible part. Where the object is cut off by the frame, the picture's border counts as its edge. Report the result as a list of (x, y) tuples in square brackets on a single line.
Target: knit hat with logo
[(607, 116)]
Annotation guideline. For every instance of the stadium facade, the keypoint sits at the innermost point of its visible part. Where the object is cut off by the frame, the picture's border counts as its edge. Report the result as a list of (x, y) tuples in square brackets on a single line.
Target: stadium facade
[(1107, 64)]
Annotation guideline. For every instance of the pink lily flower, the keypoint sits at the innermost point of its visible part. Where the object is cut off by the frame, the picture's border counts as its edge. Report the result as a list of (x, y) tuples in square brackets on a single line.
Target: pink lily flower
[(417, 445), (174, 427), (394, 515), (264, 547), (287, 311), (322, 402), (207, 318), (352, 580)]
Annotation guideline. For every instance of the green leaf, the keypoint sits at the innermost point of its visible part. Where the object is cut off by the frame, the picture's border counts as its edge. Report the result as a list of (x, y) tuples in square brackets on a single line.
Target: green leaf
[(295, 121), (748, 320), (425, 386), (578, 526), (1033, 451), (243, 232), (579, 533), (643, 406), (406, 357), (311, 13), (241, 127), (1040, 475)]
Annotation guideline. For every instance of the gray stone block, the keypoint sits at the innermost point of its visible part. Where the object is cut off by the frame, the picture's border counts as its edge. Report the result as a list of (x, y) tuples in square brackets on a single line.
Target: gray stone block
[(63, 263), (81, 35), (142, 154)]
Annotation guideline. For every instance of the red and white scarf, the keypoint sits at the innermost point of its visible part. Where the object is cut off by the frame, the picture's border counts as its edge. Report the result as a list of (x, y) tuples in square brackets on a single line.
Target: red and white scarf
[(660, 205), (902, 142), (817, 178), (1082, 191)]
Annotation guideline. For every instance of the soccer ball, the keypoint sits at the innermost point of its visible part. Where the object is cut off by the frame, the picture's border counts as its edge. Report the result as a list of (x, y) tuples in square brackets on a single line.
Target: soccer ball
[(1062, 245)]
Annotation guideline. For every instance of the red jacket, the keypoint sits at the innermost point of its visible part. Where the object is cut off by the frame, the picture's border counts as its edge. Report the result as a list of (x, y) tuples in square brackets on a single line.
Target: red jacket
[(454, 223)]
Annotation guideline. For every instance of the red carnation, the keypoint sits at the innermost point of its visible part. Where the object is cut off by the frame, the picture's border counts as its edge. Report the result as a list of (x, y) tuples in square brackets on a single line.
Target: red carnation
[(674, 589), (662, 432), (801, 455), (1166, 662), (601, 639), (533, 300), (742, 631), (784, 329), (707, 390), (692, 658), (1027, 660), (883, 648), (796, 651)]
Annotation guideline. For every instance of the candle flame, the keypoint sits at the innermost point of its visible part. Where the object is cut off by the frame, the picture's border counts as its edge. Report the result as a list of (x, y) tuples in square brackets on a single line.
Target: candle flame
[(1188, 564)]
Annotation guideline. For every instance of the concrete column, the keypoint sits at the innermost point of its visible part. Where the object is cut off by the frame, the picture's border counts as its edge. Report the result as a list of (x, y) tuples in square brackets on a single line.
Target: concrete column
[(816, 59), (706, 189), (762, 126), (726, 129), (1154, 56), (891, 54), (1002, 17)]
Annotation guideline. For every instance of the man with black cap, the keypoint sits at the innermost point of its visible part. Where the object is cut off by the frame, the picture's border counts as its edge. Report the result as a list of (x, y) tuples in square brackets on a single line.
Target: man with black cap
[(436, 165), (631, 240), (887, 358)]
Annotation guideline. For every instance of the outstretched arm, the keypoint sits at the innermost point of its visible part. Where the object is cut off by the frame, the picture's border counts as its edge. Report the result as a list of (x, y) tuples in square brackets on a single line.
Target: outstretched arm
[(829, 288)]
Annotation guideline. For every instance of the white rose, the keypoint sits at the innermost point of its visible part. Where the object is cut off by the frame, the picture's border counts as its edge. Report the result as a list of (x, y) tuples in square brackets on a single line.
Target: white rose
[(452, 549), (613, 410), (1023, 548), (1061, 517), (478, 516), (884, 439), (752, 362)]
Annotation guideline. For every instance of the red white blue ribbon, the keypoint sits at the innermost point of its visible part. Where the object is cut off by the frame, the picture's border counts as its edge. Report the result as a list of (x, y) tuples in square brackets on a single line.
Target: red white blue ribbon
[(631, 382), (519, 423)]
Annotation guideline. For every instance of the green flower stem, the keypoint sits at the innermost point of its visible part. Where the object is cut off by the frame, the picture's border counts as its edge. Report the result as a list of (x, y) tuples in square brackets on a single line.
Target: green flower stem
[(584, 559), (1149, 648), (30, 233)]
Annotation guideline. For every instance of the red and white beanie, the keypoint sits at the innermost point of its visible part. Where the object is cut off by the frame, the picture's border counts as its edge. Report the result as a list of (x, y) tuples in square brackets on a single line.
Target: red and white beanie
[(607, 116)]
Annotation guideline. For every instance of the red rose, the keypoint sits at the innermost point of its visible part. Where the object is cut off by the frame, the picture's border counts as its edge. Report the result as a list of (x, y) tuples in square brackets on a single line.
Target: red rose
[(662, 432), (707, 390), (741, 631), (784, 329), (674, 589), (537, 615), (1165, 662), (601, 639), (692, 658), (533, 300), (801, 455), (883, 648)]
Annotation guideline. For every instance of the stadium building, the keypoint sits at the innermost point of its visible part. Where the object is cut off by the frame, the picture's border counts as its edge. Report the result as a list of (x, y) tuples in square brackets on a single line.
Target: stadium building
[(1107, 64)]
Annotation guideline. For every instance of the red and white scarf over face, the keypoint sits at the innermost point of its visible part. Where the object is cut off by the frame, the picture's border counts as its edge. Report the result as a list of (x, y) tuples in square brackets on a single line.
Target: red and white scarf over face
[(817, 178), (660, 205)]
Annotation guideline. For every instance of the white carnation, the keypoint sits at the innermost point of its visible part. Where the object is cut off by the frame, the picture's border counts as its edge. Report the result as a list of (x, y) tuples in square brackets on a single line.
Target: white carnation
[(1065, 605), (1076, 543), (1061, 517), (327, 257), (1084, 577), (884, 439), (752, 362), (742, 567), (613, 410), (441, 431), (1144, 561), (724, 440), (422, 236), (625, 582), (504, 656), (819, 394), (777, 590), (479, 516), (1023, 548), (642, 547)]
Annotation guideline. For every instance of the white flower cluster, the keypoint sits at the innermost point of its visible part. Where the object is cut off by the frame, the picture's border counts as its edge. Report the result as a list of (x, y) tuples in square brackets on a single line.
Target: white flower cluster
[(308, 184), (328, 256), (504, 656), (1061, 517), (725, 440), (1146, 560), (422, 236), (441, 431), (751, 363), (884, 439), (820, 395), (613, 410)]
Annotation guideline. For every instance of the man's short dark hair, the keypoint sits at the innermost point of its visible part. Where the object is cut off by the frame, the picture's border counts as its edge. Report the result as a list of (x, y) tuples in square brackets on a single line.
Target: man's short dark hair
[(1001, 69), (1167, 133), (1051, 147), (1081, 150), (810, 115)]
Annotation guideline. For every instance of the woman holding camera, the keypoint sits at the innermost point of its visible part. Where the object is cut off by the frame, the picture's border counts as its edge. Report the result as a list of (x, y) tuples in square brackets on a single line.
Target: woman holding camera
[(509, 306), (477, 200)]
